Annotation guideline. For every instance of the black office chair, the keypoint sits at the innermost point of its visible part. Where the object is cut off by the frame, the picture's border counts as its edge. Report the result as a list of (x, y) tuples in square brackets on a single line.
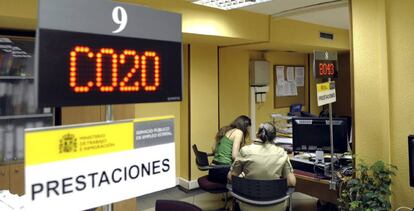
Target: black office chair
[(203, 182), (261, 192)]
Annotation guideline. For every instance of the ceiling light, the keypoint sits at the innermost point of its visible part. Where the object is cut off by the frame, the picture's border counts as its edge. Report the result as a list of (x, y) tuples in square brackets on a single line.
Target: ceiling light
[(228, 4)]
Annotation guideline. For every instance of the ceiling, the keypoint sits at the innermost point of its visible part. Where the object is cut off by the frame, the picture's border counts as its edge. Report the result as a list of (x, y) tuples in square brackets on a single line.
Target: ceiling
[(335, 14)]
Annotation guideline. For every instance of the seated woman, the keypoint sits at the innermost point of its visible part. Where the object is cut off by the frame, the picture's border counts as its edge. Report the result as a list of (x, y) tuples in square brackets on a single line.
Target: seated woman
[(263, 160), (229, 140)]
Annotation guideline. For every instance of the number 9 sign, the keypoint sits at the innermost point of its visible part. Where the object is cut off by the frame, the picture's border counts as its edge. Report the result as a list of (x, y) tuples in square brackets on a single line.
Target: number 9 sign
[(120, 17)]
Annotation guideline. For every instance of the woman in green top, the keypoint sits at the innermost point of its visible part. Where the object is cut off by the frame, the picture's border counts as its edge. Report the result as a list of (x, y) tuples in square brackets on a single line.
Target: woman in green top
[(229, 140)]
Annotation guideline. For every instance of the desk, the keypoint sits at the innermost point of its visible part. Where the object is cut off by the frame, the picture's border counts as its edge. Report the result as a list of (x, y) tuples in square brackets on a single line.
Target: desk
[(319, 188)]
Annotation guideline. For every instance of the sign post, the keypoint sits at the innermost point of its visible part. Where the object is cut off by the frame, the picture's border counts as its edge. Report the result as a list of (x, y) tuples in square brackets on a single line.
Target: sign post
[(333, 182), (325, 66), (109, 118)]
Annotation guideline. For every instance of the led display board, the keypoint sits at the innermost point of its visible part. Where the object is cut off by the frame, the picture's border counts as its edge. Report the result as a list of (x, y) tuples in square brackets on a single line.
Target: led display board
[(325, 68), (123, 54), (325, 64), (84, 69)]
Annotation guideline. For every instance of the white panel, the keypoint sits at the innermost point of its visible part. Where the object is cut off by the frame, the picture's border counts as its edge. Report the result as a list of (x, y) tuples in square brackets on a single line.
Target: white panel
[(276, 6), (106, 193), (335, 17)]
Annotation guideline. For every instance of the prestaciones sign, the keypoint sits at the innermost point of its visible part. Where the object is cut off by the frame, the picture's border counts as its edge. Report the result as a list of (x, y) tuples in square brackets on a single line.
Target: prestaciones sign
[(84, 166)]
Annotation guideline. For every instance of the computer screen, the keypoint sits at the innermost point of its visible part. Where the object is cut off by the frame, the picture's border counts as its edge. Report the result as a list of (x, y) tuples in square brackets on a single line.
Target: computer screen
[(411, 158), (312, 133), (295, 108)]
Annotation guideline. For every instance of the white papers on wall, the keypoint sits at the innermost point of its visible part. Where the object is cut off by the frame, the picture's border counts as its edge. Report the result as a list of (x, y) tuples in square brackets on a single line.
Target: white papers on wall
[(293, 89), (280, 75), (290, 74), (280, 87), (287, 88), (284, 87), (300, 76)]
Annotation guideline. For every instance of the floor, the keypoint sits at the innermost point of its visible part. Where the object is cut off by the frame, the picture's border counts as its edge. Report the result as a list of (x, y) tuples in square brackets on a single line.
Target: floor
[(207, 201)]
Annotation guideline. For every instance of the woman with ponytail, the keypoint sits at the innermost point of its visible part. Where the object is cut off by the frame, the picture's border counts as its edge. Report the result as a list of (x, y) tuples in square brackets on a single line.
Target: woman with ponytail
[(263, 160)]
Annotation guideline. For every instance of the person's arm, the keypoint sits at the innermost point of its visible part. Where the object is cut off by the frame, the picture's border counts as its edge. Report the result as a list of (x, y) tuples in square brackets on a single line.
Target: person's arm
[(237, 167), (231, 174), (291, 180), (288, 173), (237, 138)]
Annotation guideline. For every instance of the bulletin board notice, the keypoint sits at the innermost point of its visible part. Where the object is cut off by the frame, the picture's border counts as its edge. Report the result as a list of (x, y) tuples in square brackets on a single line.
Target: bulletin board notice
[(289, 85)]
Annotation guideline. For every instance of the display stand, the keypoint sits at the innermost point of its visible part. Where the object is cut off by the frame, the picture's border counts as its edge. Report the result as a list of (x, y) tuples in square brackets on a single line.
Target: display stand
[(109, 117), (333, 182)]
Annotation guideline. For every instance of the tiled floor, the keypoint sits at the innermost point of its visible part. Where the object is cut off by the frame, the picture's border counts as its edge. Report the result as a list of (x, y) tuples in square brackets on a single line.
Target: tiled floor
[(207, 201)]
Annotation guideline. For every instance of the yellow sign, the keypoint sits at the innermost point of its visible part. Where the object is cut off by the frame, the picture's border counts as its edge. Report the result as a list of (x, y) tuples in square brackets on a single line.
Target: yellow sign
[(76, 142), (323, 87), (326, 93)]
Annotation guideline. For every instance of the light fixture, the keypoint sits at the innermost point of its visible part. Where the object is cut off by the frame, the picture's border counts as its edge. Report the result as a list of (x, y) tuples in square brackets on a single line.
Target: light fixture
[(228, 4)]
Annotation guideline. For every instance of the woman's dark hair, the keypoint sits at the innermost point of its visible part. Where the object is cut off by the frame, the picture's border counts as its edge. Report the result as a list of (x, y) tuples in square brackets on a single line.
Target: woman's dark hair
[(242, 123), (266, 132)]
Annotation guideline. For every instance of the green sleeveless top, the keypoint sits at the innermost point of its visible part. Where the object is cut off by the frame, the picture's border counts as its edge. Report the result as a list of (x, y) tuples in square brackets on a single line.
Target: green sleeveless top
[(223, 151)]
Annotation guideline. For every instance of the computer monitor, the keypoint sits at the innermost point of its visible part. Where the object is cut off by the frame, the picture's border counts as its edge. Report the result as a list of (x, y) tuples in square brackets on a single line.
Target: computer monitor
[(411, 158), (295, 108), (311, 134)]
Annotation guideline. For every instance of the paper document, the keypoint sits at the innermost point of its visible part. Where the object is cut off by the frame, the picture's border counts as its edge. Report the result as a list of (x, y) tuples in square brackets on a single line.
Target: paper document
[(292, 89), (300, 76), (280, 140), (290, 74), (280, 74), (286, 88), (279, 89)]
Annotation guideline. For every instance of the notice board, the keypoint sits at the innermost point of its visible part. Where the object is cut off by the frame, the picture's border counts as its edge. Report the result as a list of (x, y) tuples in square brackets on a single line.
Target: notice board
[(286, 101)]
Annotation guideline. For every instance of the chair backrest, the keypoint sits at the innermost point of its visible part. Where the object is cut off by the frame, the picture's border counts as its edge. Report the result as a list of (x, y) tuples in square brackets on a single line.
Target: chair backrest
[(170, 205), (201, 157), (259, 190)]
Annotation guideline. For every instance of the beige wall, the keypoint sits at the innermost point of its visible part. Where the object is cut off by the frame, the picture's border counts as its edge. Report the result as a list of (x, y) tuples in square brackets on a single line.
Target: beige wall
[(18, 14), (297, 35), (370, 76), (234, 83), (203, 100), (400, 24), (383, 84)]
